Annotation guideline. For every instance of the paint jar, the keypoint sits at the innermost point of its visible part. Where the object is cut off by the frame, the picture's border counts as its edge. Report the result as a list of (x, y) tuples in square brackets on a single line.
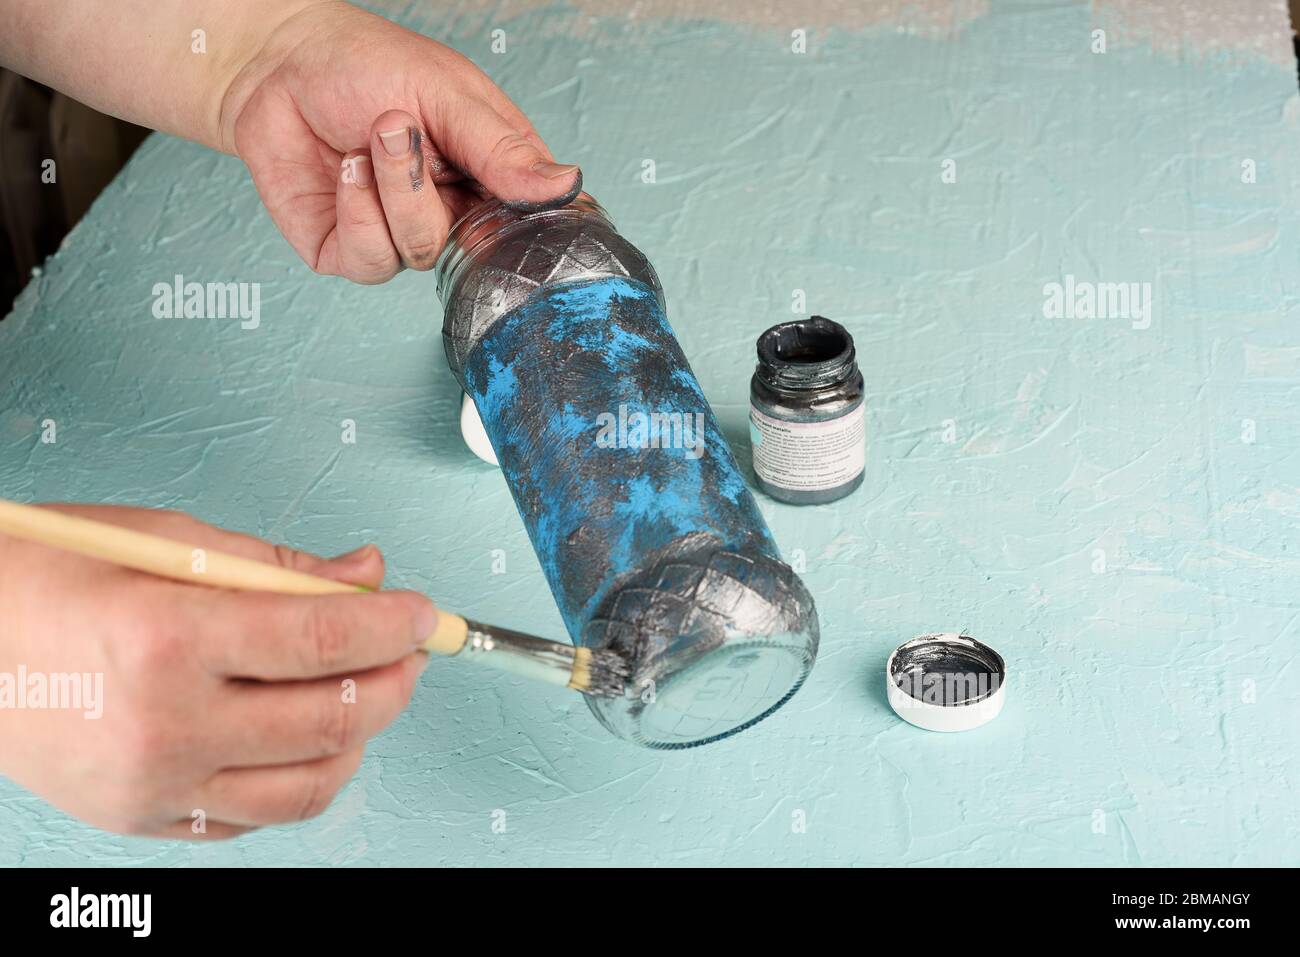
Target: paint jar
[(807, 417), (647, 534)]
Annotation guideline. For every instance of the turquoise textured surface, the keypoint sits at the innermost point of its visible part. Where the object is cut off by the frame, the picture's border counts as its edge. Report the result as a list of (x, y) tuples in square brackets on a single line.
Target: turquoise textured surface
[(1112, 503)]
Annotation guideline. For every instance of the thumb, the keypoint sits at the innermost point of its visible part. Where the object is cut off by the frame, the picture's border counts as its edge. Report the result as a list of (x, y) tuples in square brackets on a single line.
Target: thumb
[(363, 566), (511, 164)]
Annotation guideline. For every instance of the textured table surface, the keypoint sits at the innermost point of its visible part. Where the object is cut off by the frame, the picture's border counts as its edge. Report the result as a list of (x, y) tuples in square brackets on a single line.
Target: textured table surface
[(1115, 508)]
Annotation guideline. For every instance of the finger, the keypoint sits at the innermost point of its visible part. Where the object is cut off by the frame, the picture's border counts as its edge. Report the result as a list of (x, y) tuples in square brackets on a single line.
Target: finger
[(272, 637), (295, 174), (364, 566), (286, 722), (507, 161), (417, 219), (212, 831), (460, 198), (438, 169), (361, 566), (362, 249), (479, 84), (277, 795), (501, 102)]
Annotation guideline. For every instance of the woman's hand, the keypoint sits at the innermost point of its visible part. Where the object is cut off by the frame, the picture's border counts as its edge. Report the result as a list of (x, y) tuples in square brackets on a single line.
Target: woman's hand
[(200, 712), (367, 141)]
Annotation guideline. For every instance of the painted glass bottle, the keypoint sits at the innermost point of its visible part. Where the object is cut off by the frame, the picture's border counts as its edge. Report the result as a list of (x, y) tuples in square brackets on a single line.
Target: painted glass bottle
[(651, 542)]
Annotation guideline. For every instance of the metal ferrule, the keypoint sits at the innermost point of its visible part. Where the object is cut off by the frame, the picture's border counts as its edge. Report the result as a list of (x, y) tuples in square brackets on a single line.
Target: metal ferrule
[(518, 654)]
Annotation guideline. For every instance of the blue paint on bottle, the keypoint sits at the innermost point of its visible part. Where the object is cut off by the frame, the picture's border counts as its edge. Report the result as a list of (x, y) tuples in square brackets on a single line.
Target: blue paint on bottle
[(547, 377)]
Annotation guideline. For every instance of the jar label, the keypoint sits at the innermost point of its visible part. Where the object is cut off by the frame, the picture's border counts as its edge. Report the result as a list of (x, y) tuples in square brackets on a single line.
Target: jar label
[(809, 456)]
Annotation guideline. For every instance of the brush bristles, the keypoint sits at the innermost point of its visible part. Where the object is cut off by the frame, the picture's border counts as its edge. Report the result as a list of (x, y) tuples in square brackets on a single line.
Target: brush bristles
[(600, 673)]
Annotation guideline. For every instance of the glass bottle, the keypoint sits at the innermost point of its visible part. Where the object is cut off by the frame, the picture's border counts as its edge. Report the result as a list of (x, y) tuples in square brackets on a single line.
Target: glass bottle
[(652, 544)]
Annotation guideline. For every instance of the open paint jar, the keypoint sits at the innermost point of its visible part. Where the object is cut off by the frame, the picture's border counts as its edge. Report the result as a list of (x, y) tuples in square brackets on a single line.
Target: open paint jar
[(807, 417), (651, 542)]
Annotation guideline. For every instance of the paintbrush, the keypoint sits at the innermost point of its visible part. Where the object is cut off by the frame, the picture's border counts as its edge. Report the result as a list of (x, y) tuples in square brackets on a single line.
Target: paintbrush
[(598, 673)]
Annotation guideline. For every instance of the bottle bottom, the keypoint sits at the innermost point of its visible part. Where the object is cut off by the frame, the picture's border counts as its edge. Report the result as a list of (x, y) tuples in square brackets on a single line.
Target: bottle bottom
[(716, 639), (808, 496), (731, 688)]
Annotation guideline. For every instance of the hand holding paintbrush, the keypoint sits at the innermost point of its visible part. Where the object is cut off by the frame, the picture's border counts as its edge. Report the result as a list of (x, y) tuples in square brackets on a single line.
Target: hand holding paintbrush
[(599, 673), (151, 705)]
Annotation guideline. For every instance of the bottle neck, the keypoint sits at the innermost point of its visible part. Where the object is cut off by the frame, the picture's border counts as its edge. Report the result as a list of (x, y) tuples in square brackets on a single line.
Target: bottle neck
[(497, 258), (806, 355), (478, 232)]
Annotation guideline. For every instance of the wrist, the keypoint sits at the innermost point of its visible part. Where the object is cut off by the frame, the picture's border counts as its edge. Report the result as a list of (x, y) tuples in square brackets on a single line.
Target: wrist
[(288, 25)]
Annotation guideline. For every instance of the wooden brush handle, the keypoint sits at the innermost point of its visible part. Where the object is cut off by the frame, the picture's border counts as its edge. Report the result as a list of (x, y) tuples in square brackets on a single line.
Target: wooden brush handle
[(171, 559)]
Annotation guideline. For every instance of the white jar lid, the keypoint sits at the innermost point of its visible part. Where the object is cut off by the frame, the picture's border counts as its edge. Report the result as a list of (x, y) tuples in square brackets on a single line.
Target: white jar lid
[(946, 682), (472, 431)]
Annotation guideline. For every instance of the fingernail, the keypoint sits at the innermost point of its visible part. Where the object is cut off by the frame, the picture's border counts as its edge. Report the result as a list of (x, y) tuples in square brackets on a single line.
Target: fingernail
[(356, 169), (396, 142), (554, 170), (354, 557), (424, 621)]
